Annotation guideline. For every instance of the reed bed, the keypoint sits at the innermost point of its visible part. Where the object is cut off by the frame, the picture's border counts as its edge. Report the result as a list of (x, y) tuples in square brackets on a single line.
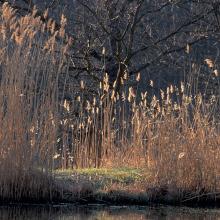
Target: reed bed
[(29, 76), (174, 135)]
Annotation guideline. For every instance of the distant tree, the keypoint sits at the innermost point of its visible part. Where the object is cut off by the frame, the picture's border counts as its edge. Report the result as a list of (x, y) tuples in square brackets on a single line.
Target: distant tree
[(160, 39)]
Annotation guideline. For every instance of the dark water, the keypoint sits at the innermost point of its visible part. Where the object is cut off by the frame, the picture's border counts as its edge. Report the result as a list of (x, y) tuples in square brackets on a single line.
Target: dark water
[(105, 213)]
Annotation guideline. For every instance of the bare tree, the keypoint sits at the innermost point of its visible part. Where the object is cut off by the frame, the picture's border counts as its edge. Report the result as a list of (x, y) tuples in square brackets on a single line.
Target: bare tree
[(144, 36), (161, 39)]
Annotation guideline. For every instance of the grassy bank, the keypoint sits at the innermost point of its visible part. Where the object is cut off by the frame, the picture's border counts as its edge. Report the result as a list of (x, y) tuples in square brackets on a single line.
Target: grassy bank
[(124, 186)]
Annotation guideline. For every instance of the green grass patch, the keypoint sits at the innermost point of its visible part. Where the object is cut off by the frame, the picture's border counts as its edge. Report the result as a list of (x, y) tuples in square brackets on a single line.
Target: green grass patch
[(123, 175), (104, 177)]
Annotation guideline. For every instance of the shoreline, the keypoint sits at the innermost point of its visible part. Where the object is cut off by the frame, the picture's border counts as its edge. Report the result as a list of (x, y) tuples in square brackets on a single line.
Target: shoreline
[(118, 187), (118, 199)]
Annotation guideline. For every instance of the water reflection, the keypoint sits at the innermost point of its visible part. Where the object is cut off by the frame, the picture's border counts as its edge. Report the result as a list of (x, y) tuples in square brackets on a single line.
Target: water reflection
[(104, 213)]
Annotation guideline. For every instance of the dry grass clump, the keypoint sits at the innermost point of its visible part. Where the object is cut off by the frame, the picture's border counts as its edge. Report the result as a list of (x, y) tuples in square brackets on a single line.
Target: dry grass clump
[(183, 151), (29, 74)]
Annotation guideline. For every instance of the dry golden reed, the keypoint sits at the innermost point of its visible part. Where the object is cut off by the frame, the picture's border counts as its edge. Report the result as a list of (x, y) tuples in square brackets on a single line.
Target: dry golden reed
[(29, 106)]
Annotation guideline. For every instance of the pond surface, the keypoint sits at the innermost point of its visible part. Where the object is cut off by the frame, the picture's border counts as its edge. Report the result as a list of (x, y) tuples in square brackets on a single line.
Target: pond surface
[(95, 212)]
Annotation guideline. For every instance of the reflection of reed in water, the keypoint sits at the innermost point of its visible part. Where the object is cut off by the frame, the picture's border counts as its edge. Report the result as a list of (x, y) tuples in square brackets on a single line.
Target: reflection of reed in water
[(99, 212)]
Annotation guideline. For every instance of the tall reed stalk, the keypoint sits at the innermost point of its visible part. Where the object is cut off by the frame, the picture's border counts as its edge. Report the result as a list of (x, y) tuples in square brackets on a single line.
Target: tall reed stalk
[(29, 75)]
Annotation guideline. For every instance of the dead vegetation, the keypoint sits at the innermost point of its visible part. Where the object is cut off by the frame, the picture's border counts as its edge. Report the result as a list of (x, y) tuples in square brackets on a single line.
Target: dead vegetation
[(174, 135)]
